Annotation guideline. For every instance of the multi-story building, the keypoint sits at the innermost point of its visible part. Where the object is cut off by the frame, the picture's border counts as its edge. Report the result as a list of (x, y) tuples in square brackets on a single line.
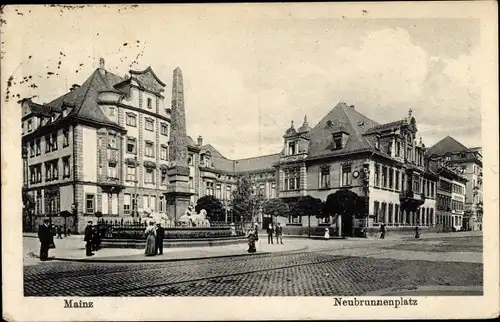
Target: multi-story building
[(102, 148), (469, 161)]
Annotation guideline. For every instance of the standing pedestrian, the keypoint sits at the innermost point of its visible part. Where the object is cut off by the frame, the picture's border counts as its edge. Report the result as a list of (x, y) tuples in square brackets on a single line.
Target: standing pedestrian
[(88, 238), (279, 234), (46, 240), (150, 233), (327, 233), (270, 232), (382, 231), (251, 240), (96, 238), (160, 234), (59, 232), (417, 232)]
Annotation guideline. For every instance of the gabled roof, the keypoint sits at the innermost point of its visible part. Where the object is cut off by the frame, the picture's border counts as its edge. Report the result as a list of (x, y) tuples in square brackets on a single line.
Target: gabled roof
[(150, 70), (213, 151), (84, 98), (264, 162), (447, 145), (386, 127), (347, 119)]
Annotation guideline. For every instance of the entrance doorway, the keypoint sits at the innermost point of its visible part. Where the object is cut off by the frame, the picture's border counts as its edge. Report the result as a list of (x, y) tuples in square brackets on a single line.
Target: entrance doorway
[(347, 225)]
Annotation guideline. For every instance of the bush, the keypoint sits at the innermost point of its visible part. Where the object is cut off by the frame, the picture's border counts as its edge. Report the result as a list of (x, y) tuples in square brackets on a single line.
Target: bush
[(131, 233)]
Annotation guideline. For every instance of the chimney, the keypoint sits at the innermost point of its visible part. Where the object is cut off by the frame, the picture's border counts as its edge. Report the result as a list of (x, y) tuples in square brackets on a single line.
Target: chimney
[(200, 140), (101, 66)]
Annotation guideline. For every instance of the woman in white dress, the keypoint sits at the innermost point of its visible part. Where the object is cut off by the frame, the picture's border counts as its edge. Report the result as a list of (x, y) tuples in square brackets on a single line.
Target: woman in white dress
[(327, 233)]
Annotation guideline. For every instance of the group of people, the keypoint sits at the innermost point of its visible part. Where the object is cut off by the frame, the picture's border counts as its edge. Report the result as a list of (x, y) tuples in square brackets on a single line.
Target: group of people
[(154, 239), (92, 238), (278, 231), (383, 230)]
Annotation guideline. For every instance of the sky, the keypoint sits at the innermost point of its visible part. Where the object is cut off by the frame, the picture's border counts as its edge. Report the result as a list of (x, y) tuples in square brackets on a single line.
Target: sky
[(248, 72)]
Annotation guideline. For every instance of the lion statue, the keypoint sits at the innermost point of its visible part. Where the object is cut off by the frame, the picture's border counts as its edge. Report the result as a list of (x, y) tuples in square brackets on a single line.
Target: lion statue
[(192, 219)]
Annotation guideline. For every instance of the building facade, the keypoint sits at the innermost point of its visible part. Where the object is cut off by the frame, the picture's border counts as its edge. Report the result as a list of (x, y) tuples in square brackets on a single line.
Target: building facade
[(105, 148), (468, 162)]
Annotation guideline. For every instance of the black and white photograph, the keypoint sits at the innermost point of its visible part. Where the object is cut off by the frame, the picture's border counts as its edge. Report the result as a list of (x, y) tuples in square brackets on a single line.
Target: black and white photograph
[(250, 151)]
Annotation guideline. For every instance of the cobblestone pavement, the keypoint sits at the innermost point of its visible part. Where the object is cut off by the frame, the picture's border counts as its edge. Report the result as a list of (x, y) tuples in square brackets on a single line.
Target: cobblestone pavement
[(316, 272)]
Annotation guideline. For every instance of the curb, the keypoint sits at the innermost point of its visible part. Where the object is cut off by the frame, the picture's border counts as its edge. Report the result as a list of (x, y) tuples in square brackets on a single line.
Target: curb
[(89, 260)]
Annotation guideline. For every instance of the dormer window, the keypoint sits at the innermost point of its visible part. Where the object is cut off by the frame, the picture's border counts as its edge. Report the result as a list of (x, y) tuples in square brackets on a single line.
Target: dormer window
[(112, 142), (377, 143), (30, 125), (207, 161), (292, 148)]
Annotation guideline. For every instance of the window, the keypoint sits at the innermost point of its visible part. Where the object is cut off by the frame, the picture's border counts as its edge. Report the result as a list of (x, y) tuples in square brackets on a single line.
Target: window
[(112, 171), (262, 190), (66, 167), (37, 146), (164, 152), (384, 176), (149, 176), (294, 219), (292, 179), (111, 141), (377, 175), (164, 129), (149, 103), (149, 149), (228, 193), (30, 125), (397, 180), (150, 124), (210, 188), (48, 171), (191, 183), (164, 178), (391, 178), (396, 213), (377, 143), (65, 137), (32, 149), (324, 181), (218, 191), (48, 143), (190, 159), (398, 148), (390, 221), (273, 190), (89, 203), (416, 183), (161, 204), (337, 141), (383, 210), (131, 172), (152, 203), (131, 119), (431, 219), (126, 203), (346, 175), (291, 148), (54, 141), (131, 145), (376, 210)]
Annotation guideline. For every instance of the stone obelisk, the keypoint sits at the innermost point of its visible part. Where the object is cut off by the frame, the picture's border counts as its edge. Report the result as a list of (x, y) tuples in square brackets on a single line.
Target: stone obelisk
[(178, 193)]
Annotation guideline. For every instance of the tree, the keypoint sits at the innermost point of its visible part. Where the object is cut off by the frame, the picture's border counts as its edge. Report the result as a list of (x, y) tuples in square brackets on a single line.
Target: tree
[(343, 202), (213, 206), (275, 207), (245, 201), (308, 206)]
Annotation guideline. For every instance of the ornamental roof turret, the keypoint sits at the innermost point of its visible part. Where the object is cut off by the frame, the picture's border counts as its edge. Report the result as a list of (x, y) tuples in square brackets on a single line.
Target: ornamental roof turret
[(291, 131), (305, 126)]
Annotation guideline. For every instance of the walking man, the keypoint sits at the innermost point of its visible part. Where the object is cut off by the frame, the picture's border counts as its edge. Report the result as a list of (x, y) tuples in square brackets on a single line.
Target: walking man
[(88, 238), (279, 234), (382, 231), (270, 231), (160, 234), (59, 232), (46, 239)]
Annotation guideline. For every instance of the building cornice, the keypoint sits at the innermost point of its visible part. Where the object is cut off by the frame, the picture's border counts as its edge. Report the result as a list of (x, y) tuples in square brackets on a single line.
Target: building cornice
[(140, 110)]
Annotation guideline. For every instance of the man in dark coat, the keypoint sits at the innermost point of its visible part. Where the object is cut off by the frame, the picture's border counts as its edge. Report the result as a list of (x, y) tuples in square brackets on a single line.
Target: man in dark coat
[(160, 234), (270, 232), (89, 238), (46, 239)]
